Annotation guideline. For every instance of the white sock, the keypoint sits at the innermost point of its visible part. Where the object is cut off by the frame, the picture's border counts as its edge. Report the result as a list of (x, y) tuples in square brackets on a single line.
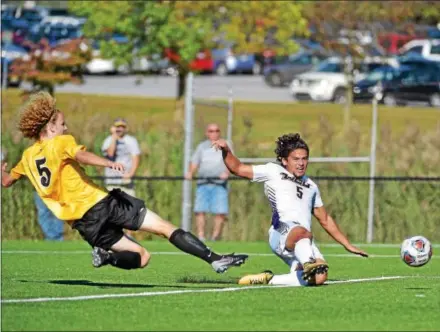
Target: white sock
[(291, 279), (304, 251)]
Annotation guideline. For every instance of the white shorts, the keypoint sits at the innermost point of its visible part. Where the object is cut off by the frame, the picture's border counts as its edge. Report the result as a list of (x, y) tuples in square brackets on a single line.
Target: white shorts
[(277, 242)]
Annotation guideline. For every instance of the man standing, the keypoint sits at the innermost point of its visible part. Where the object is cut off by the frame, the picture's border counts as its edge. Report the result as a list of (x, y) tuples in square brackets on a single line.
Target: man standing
[(124, 149), (211, 195)]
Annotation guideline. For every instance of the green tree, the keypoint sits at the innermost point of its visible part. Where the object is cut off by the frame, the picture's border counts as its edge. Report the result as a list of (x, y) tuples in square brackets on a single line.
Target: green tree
[(186, 27)]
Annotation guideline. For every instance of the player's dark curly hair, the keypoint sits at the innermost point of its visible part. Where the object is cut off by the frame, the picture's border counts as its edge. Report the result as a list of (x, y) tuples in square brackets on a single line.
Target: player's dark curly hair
[(288, 143)]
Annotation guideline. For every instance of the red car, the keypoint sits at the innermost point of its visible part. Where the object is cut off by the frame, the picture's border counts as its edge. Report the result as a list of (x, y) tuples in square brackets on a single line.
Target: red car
[(202, 63)]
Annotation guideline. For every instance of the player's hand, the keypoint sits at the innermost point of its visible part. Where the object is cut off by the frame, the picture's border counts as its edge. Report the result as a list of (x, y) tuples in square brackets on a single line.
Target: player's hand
[(220, 145), (356, 251), (4, 165), (117, 167)]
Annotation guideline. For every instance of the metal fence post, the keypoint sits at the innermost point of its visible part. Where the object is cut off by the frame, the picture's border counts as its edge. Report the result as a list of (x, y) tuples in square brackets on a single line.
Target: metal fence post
[(370, 228), (230, 115), (187, 184)]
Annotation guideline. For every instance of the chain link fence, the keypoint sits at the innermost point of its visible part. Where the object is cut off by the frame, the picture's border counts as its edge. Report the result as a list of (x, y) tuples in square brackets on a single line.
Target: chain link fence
[(403, 207)]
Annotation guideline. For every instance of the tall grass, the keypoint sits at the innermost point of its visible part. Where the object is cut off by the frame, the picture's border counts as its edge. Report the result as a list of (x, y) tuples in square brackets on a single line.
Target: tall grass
[(401, 209)]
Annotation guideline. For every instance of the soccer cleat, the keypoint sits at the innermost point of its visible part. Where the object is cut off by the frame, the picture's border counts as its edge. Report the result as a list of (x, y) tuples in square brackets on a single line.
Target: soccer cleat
[(100, 257), (262, 278), (311, 268), (227, 261)]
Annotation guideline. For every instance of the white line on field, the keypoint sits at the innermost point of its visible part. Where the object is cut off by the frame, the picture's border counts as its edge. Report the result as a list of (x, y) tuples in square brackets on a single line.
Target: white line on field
[(174, 292), (44, 252)]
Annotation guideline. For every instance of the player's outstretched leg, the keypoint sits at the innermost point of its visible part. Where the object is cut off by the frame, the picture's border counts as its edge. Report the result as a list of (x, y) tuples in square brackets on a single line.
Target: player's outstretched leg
[(125, 254), (294, 278), (189, 243)]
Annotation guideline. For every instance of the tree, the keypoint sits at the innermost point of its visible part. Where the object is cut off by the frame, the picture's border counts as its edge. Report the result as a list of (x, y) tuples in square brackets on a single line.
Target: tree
[(184, 28), (47, 66)]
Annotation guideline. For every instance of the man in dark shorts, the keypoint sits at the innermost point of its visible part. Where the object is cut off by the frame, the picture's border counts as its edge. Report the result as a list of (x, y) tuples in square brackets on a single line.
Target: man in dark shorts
[(52, 164)]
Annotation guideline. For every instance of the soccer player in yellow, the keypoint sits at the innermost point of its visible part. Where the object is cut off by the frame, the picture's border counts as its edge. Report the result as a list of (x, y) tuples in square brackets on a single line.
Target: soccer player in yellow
[(52, 164)]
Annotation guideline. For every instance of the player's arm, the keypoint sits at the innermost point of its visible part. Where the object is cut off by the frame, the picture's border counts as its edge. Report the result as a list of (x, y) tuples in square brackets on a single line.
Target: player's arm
[(330, 226), (234, 165), (7, 179), (88, 158)]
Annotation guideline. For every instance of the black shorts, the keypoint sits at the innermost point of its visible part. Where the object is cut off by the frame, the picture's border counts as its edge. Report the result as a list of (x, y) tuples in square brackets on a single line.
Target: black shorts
[(102, 226)]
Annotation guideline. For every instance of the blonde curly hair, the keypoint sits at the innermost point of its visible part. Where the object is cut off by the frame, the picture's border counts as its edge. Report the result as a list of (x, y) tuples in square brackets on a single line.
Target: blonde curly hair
[(38, 111)]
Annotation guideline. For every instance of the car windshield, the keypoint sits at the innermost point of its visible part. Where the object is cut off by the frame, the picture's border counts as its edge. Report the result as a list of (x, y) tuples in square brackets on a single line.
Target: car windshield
[(329, 67), (380, 74)]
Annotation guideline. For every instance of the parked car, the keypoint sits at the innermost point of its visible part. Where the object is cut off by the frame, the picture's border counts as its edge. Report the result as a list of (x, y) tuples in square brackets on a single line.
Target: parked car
[(365, 89), (99, 65), (327, 81), (9, 53), (225, 62), (428, 48), (286, 68), (421, 83)]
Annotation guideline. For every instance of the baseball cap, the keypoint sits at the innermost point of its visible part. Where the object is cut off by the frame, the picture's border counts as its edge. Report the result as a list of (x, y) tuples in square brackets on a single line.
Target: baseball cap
[(120, 122)]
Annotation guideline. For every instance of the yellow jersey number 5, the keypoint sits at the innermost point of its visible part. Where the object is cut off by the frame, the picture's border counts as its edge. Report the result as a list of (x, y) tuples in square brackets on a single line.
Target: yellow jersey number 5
[(43, 171)]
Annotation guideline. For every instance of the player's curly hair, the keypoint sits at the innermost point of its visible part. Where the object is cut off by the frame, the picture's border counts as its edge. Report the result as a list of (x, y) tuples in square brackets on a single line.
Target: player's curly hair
[(288, 143), (38, 111)]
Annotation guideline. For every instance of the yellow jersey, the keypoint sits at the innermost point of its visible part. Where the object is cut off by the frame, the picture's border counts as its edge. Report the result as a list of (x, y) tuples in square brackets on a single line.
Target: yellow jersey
[(58, 178)]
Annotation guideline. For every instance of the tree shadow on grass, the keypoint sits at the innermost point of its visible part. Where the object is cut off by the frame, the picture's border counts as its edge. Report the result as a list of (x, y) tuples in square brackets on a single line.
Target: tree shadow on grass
[(100, 284)]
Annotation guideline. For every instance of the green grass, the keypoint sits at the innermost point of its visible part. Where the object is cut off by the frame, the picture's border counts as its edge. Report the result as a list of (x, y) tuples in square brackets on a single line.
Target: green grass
[(404, 304)]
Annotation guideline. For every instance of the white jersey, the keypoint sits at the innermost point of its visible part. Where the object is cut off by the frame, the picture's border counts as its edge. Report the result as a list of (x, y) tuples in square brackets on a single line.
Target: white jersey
[(292, 199)]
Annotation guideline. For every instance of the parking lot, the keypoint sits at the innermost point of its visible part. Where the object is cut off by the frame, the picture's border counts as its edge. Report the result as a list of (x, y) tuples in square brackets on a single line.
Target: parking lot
[(244, 87)]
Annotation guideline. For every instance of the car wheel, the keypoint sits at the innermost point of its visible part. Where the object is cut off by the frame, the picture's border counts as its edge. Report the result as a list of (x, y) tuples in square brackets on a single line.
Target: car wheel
[(340, 96), (275, 79), (222, 70), (257, 68), (390, 100), (434, 100)]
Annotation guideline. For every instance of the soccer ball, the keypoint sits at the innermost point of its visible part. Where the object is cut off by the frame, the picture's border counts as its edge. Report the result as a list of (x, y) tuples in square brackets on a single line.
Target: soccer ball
[(416, 251)]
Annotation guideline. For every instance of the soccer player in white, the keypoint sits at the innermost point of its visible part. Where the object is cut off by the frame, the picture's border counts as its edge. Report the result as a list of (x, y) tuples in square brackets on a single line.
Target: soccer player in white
[(294, 198)]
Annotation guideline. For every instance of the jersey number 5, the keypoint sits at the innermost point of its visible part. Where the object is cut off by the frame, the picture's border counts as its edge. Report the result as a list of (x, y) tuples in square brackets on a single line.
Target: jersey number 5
[(43, 171), (299, 192)]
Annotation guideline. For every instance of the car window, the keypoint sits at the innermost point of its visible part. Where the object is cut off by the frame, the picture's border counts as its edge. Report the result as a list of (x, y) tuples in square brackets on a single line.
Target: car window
[(415, 49), (329, 67), (435, 49), (304, 59)]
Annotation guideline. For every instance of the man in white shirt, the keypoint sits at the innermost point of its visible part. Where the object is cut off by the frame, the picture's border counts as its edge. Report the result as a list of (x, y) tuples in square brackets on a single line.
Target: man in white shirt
[(121, 148), (293, 198)]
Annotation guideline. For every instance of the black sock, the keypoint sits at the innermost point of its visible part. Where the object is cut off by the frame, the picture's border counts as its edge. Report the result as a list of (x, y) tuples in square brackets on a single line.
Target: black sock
[(126, 260), (188, 243)]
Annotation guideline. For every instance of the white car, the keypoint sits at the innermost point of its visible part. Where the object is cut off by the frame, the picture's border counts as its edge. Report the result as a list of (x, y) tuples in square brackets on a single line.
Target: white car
[(99, 65), (427, 48), (326, 82)]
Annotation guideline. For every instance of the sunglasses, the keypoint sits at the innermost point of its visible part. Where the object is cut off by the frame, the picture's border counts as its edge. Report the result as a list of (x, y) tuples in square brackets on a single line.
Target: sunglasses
[(214, 131)]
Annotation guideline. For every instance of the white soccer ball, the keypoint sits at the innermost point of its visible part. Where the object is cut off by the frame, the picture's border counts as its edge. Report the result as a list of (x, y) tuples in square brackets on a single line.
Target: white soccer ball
[(416, 251)]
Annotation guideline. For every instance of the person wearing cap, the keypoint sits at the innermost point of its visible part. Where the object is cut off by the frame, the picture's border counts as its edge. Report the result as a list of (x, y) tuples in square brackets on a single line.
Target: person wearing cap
[(121, 148)]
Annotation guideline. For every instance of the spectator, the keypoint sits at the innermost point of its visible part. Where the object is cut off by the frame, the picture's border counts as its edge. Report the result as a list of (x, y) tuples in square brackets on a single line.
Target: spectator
[(122, 148), (51, 226), (211, 195)]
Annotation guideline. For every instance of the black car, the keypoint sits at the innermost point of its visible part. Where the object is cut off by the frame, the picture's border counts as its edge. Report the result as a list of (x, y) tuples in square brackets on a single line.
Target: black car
[(421, 83), (364, 90)]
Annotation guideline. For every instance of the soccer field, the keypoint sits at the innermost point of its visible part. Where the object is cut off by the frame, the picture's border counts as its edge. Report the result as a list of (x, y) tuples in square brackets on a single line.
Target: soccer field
[(53, 286)]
